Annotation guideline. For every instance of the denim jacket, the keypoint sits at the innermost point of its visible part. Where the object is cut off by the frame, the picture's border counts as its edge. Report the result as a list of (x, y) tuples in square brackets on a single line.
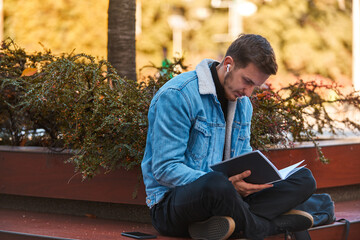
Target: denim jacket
[(186, 132)]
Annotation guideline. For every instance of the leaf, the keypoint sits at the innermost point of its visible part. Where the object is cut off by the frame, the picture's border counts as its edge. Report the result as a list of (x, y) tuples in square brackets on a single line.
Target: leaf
[(28, 72)]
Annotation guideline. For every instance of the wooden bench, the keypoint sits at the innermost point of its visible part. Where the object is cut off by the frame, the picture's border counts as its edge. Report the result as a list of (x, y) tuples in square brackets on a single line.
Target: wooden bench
[(25, 225), (94, 213)]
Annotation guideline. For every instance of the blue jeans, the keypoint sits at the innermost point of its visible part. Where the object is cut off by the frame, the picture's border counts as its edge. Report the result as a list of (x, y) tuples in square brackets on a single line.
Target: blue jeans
[(214, 195)]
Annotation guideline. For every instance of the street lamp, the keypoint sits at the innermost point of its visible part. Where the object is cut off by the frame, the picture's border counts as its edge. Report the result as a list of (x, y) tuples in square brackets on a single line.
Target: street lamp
[(237, 10), (178, 24)]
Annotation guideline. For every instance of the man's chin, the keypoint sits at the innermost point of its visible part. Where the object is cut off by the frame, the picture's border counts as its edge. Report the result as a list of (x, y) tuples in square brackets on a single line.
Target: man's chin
[(241, 97), (231, 97)]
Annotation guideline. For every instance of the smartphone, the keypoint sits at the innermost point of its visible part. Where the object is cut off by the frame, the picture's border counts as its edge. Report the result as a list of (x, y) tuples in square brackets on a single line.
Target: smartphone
[(138, 235)]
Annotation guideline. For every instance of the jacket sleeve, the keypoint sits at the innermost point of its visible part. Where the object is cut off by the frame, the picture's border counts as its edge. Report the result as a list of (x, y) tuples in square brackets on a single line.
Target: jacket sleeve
[(171, 113)]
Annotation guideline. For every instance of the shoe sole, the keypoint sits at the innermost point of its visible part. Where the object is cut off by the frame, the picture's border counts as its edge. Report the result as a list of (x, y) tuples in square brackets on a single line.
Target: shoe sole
[(294, 221), (301, 213), (215, 228)]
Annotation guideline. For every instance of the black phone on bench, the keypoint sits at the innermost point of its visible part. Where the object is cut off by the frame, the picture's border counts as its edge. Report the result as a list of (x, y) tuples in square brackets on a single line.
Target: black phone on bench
[(138, 235)]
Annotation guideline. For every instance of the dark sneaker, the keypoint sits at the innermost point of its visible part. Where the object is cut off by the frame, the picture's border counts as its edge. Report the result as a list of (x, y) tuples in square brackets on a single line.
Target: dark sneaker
[(215, 228), (294, 221)]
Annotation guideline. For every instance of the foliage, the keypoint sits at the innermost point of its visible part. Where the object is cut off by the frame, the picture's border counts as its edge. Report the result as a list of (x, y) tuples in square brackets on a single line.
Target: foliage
[(73, 101), (61, 25), (309, 37), (79, 104), (300, 112)]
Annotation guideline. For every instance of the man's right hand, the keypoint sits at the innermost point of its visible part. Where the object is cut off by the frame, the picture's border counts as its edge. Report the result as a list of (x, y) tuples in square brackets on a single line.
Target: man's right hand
[(244, 188)]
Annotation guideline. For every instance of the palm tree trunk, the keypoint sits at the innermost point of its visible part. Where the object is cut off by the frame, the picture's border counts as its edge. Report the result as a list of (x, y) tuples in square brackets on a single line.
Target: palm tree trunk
[(121, 37)]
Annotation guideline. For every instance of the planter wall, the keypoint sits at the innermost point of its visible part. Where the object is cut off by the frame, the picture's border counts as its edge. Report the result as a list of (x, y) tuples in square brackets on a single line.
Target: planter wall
[(343, 168), (41, 173)]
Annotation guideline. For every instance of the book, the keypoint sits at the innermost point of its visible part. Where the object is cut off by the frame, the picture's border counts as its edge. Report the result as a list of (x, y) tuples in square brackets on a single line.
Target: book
[(262, 169)]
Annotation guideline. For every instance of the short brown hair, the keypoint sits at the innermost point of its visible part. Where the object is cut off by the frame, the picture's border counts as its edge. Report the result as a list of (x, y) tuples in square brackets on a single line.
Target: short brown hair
[(253, 48)]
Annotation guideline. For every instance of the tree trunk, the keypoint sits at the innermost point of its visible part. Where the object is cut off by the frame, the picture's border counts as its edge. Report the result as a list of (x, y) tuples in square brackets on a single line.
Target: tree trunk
[(121, 37)]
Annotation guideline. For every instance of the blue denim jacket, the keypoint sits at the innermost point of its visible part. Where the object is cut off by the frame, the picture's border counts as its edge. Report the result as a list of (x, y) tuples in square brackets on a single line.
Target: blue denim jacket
[(186, 132)]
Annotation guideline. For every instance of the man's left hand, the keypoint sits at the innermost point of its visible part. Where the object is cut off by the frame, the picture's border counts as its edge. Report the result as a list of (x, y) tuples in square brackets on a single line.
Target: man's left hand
[(244, 188)]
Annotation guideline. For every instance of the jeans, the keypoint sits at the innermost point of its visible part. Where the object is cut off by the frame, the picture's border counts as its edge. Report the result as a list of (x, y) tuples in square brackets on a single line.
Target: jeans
[(214, 195)]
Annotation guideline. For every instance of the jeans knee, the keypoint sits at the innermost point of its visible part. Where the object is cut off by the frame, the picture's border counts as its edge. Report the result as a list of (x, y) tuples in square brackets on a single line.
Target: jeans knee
[(308, 181), (217, 184)]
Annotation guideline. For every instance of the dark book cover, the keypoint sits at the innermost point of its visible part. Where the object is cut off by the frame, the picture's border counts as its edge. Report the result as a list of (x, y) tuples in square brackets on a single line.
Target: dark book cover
[(262, 170)]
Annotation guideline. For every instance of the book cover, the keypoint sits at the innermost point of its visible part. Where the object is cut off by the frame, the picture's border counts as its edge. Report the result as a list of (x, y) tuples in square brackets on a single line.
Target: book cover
[(262, 170)]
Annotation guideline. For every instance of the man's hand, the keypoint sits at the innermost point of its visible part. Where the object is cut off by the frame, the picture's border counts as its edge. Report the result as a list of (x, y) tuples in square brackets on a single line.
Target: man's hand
[(244, 188)]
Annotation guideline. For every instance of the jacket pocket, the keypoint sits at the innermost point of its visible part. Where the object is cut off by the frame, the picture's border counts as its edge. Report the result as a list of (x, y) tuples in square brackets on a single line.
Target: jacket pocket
[(199, 140), (241, 138)]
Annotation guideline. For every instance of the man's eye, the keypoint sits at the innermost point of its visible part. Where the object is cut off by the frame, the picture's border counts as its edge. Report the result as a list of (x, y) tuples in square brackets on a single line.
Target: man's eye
[(248, 82)]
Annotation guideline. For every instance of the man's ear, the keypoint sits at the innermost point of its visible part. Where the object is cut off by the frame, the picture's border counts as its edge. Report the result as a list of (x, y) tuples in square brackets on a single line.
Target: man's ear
[(228, 60)]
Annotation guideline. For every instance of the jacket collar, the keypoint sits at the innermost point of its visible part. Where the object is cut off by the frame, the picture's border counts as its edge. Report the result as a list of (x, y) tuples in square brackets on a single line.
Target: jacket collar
[(206, 82)]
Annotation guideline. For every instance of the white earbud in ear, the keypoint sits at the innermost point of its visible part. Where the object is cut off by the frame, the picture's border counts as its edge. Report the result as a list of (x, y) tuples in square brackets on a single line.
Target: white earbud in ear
[(227, 68)]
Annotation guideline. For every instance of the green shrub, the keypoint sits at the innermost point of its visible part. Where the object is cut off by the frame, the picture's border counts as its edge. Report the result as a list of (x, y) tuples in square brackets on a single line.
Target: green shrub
[(299, 113), (80, 103)]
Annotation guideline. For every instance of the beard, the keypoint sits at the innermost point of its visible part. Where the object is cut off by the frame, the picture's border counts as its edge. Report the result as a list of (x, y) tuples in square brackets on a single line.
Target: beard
[(228, 91)]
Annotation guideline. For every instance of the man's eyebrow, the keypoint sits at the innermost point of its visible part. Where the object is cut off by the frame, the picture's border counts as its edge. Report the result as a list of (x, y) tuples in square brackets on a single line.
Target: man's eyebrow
[(249, 80)]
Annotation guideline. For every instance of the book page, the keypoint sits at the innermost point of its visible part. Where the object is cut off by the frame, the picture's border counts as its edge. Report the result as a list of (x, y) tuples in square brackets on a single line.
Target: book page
[(285, 172)]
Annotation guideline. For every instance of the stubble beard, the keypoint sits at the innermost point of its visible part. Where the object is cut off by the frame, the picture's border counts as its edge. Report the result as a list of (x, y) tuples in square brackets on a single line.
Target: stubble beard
[(227, 90)]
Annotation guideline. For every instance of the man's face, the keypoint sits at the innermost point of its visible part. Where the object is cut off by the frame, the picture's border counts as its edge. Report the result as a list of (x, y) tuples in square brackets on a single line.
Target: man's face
[(240, 82)]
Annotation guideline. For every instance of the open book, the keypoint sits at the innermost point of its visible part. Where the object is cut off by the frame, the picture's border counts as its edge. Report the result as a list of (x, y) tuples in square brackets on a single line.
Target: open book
[(262, 170)]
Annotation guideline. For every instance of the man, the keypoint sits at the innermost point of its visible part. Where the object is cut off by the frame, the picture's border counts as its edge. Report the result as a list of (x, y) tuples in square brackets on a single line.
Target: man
[(200, 118)]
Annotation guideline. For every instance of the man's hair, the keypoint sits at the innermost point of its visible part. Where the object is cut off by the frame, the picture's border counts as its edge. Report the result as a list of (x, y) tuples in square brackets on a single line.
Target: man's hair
[(253, 48)]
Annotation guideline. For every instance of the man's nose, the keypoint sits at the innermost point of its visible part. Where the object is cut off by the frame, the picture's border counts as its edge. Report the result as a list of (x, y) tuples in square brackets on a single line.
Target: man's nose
[(249, 90)]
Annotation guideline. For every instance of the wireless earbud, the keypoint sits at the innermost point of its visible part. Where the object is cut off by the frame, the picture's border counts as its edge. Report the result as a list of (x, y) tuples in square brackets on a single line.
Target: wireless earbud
[(227, 68)]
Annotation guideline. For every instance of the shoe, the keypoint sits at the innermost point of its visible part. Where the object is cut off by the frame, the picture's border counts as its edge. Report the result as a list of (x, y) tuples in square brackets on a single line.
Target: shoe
[(215, 228), (294, 221)]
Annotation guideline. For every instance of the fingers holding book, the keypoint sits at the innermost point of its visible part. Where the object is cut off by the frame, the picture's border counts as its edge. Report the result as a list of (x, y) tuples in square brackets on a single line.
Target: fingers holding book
[(244, 188)]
